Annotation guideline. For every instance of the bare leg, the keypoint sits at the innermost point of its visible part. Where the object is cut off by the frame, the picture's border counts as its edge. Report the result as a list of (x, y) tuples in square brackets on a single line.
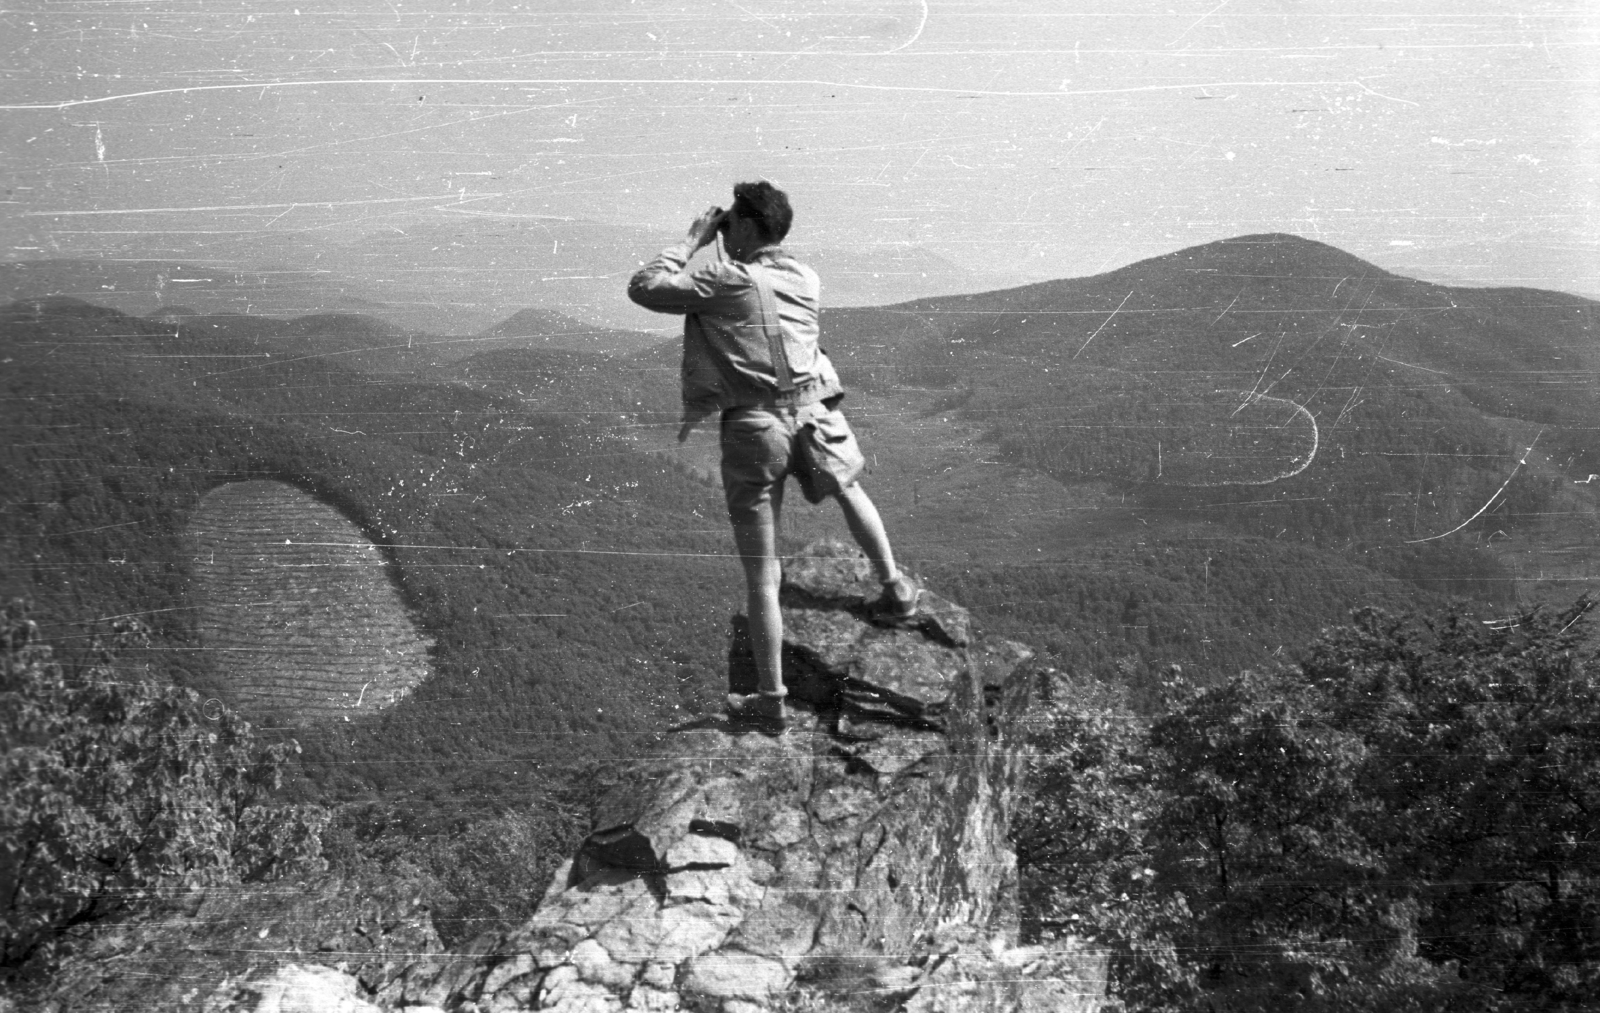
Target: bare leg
[(757, 542), (867, 528)]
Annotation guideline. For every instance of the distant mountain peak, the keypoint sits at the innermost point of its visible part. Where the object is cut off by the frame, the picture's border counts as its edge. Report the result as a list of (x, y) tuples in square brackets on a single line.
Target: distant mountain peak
[(61, 306), (1273, 253), (531, 320), (344, 323), (544, 328), (173, 313)]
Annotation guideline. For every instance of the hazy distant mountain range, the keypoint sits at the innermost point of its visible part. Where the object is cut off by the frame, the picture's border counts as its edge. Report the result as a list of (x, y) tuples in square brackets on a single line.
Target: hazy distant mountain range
[(456, 280), (1198, 459), (1525, 260)]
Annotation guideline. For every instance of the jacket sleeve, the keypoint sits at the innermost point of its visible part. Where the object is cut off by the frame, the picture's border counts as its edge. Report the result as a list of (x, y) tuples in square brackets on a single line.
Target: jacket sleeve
[(664, 286)]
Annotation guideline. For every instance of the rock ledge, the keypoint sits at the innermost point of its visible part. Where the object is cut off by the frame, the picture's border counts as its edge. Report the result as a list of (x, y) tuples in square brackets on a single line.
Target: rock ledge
[(859, 859)]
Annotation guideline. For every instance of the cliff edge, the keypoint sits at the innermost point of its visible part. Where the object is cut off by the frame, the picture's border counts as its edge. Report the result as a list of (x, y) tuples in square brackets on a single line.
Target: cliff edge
[(860, 860)]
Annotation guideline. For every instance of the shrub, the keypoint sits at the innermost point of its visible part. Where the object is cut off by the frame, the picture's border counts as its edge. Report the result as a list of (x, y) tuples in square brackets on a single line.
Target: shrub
[(1083, 842), (116, 791), (478, 870), (1404, 820)]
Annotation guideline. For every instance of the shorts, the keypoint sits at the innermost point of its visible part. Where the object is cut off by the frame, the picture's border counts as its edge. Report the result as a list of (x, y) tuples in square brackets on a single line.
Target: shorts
[(763, 446)]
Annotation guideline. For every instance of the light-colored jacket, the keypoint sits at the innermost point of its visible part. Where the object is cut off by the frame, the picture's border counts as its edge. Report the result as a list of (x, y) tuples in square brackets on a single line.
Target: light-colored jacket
[(728, 343)]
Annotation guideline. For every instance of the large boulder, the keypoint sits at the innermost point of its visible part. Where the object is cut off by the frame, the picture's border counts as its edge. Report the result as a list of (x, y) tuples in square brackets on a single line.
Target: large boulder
[(863, 849)]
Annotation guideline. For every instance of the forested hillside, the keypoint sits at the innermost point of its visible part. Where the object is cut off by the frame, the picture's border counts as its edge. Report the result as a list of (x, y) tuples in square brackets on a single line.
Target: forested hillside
[(1198, 460), (543, 558), (1284, 389)]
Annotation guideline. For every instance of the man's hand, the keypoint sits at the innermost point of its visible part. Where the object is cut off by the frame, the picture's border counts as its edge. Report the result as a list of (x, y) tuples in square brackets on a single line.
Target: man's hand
[(704, 229)]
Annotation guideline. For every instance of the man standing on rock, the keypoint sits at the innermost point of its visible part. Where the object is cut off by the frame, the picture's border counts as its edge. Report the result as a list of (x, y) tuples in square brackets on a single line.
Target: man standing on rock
[(750, 353)]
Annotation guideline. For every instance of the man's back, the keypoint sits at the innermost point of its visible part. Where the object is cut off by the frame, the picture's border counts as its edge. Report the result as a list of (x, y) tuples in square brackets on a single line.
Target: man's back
[(727, 352)]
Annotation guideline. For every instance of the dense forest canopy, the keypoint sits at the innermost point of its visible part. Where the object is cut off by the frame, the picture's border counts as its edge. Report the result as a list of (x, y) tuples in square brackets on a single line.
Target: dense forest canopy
[(1404, 819)]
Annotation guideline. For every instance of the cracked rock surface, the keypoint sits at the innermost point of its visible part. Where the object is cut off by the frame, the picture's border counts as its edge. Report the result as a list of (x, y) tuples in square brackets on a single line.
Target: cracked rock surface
[(861, 856)]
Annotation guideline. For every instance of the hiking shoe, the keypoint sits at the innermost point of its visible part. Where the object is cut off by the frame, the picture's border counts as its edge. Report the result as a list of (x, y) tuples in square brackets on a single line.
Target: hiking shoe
[(898, 602), (767, 711)]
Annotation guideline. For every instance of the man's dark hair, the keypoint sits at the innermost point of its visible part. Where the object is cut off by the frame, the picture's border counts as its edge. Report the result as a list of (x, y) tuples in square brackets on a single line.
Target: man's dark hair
[(766, 206)]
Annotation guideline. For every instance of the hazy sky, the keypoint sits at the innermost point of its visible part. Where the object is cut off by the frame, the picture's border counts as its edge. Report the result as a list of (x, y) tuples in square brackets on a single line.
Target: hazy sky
[(1038, 137)]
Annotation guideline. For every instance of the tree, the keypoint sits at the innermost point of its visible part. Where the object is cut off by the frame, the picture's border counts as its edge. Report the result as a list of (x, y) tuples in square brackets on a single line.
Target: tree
[(1081, 833), (115, 791), (1290, 904), (1407, 819), (1489, 738)]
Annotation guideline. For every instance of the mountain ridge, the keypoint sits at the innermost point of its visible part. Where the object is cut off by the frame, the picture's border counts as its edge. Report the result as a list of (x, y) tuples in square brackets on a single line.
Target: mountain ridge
[(1418, 402), (1097, 501), (557, 330)]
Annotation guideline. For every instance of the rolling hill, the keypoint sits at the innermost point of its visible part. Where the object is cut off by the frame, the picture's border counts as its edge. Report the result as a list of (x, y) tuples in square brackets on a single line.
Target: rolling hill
[(451, 274), (1200, 459), (139, 287), (489, 511), (1283, 388), (371, 344), (533, 328)]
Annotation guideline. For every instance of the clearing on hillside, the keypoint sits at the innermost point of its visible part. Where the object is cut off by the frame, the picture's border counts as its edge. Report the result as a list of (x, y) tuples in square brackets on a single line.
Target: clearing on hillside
[(298, 605)]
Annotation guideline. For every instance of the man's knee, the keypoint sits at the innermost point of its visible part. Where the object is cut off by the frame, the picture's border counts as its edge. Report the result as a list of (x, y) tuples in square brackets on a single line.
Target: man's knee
[(763, 576), (752, 521), (763, 572)]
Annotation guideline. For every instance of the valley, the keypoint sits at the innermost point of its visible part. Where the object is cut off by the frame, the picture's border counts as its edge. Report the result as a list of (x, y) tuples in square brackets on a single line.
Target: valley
[(1199, 460)]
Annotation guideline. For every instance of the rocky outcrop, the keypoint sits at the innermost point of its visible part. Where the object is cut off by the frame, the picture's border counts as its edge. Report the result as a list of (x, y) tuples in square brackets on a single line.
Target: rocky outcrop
[(858, 859), (857, 862)]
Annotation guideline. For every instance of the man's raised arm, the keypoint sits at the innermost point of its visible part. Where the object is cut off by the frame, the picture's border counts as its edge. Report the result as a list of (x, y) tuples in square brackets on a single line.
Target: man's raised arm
[(662, 285)]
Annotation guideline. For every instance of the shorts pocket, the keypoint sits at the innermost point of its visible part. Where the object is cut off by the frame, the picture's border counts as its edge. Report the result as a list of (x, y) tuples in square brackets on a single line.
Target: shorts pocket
[(830, 458)]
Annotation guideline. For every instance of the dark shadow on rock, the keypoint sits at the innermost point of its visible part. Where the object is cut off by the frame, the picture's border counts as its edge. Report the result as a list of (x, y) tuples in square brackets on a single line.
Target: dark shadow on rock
[(800, 673), (717, 721), (725, 829), (862, 716), (621, 848), (830, 574), (742, 676)]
